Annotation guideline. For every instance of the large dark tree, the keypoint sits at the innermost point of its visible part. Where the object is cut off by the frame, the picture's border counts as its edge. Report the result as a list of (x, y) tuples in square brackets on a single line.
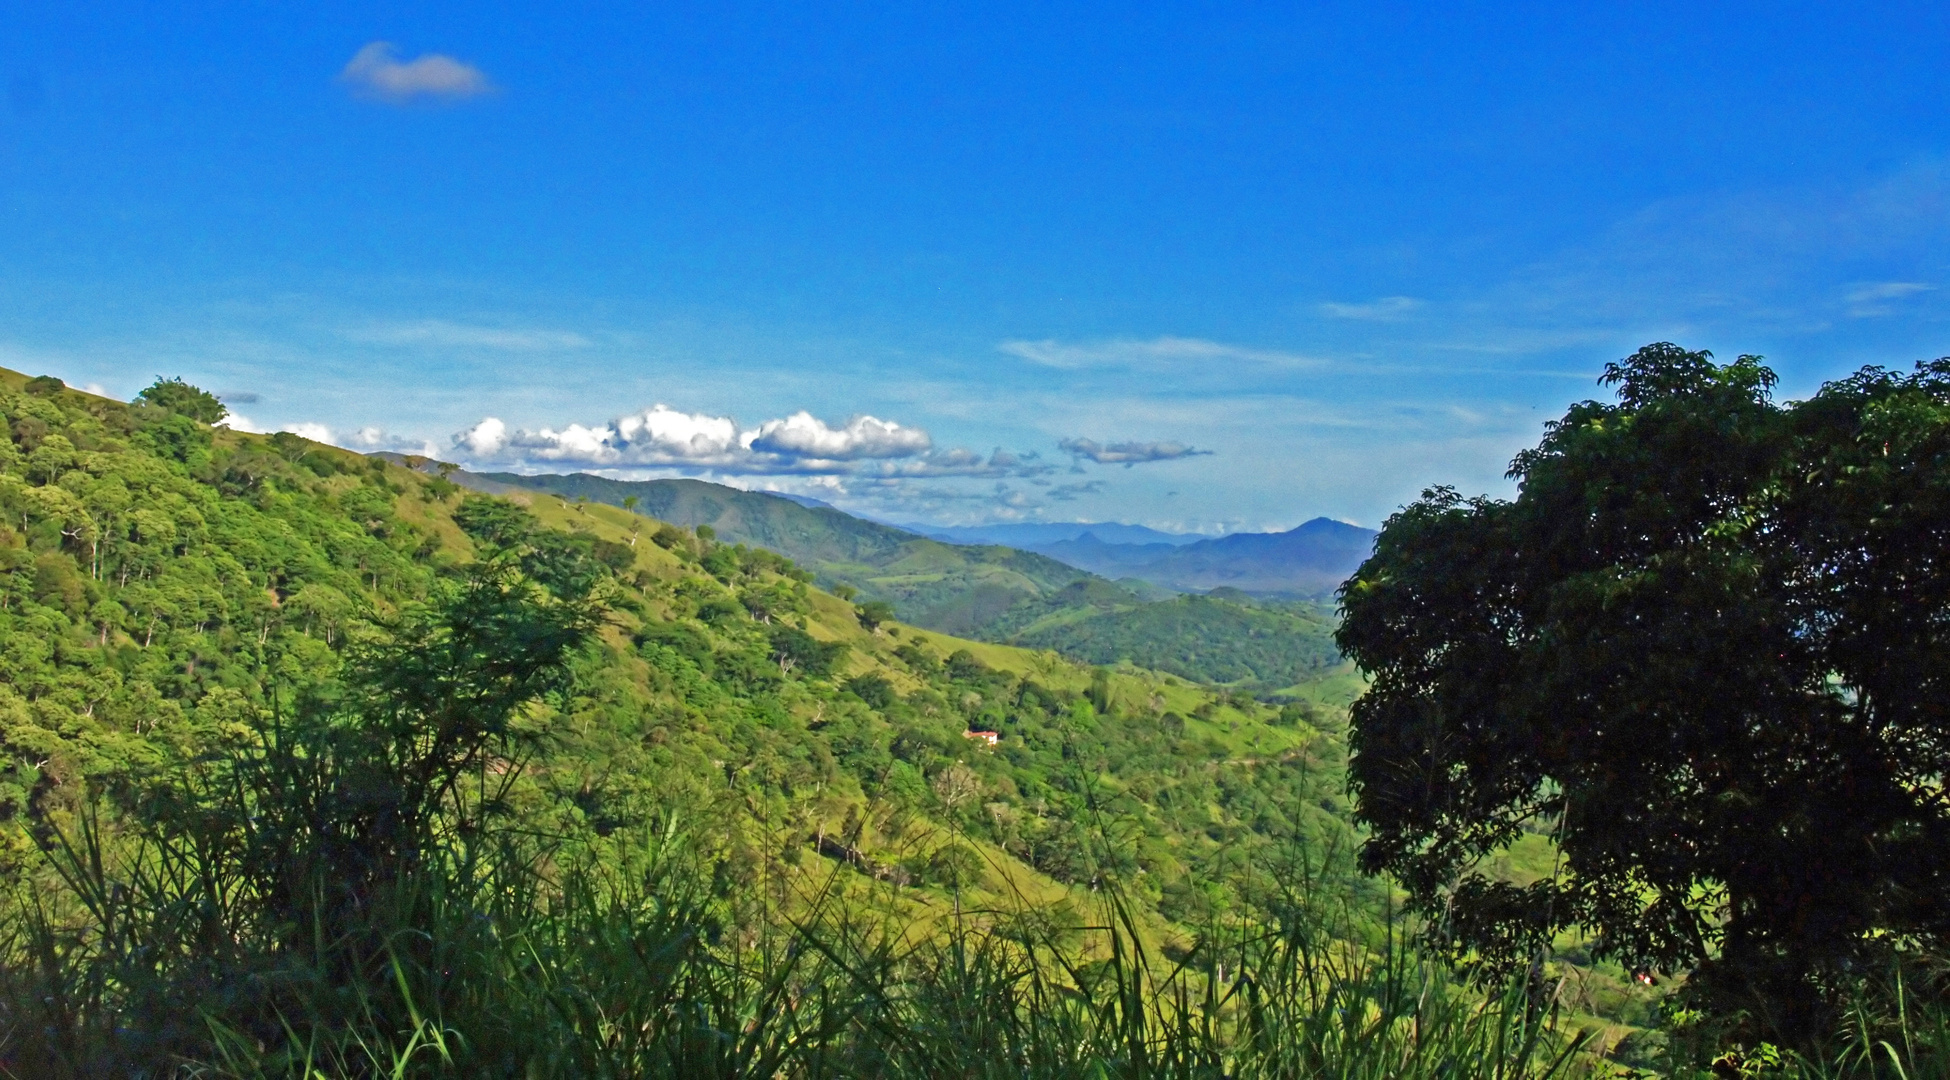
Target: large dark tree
[(1707, 648)]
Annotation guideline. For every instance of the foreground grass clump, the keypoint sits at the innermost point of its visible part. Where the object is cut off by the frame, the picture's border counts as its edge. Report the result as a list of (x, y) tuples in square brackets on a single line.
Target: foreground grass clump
[(477, 966)]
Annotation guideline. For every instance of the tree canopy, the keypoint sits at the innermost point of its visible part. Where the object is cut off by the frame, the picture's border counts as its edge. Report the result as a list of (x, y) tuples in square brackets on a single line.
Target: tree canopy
[(183, 399), (1706, 649)]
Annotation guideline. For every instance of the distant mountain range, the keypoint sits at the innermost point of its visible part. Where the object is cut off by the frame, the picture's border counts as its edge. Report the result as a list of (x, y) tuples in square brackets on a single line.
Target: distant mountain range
[(1032, 535), (957, 579), (1311, 559), (946, 587), (1306, 561), (1012, 595)]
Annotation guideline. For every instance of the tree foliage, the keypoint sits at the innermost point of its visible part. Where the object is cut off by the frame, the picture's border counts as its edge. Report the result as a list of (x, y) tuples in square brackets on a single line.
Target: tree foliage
[(184, 400), (1704, 648)]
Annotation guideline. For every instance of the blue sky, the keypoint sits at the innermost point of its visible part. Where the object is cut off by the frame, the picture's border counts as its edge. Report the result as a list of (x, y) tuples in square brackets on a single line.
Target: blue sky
[(1195, 266)]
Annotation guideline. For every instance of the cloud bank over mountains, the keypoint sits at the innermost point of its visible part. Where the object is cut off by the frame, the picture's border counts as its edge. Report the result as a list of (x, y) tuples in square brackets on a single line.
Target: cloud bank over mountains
[(865, 463), (799, 444)]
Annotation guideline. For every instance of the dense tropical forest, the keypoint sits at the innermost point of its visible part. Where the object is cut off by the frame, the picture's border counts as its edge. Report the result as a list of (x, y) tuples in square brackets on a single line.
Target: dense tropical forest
[(320, 765)]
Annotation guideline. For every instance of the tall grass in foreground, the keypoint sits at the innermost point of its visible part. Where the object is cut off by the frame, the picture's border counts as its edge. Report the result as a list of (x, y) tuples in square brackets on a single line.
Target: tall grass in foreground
[(153, 964)]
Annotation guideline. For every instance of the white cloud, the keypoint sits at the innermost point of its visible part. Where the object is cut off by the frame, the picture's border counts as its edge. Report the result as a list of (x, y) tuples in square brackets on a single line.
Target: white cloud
[(800, 444), (1157, 354), (369, 439), (376, 71), (1127, 453), (237, 421), (1386, 309), (664, 432), (485, 439), (804, 435), (442, 334), (366, 440), (658, 435)]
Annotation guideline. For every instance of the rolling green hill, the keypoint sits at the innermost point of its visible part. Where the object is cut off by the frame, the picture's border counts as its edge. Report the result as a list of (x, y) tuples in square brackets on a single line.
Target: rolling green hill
[(1208, 638), (946, 587), (163, 583), (989, 592)]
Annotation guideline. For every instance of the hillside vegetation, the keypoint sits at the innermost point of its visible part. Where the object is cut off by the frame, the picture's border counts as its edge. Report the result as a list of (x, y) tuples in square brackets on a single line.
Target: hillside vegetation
[(166, 579), (994, 593), (268, 706), (946, 587), (1224, 639)]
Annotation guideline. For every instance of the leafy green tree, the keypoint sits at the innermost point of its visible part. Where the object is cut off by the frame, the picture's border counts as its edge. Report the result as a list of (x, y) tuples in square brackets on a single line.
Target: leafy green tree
[(433, 703), (794, 648), (1705, 648), (183, 399), (873, 689), (495, 522), (874, 612)]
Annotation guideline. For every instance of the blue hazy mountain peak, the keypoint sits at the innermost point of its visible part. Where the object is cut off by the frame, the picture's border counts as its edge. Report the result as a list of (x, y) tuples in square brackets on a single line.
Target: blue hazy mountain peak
[(1026, 534), (1309, 559)]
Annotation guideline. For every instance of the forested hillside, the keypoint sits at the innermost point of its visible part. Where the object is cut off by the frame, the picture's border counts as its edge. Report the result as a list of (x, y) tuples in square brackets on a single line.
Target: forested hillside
[(1256, 646), (952, 588), (168, 579), (204, 634), (992, 593)]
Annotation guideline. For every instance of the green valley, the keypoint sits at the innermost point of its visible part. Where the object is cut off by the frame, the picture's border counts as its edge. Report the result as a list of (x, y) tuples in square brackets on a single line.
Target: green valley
[(989, 592)]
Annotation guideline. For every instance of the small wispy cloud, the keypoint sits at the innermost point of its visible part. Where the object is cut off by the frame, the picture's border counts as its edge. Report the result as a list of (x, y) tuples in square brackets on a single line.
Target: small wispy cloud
[(1156, 353), (376, 72), (1072, 492), (1127, 453), (439, 333), (1877, 298), (365, 440), (1385, 309), (904, 499), (369, 439)]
